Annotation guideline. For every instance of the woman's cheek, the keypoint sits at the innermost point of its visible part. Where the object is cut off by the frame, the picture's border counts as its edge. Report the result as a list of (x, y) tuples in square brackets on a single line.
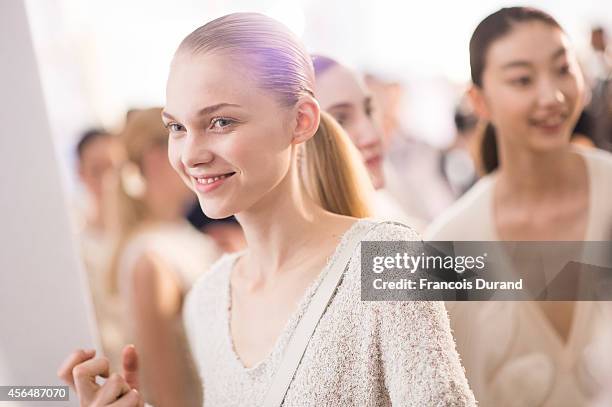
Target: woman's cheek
[(576, 93), (174, 156)]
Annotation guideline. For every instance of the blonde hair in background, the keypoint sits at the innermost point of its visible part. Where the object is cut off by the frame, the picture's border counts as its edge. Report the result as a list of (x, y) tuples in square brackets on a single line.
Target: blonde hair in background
[(334, 174), (127, 210)]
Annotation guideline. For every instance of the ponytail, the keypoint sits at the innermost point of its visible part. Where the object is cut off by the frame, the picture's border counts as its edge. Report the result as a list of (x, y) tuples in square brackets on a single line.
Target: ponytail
[(334, 173), (126, 209), (127, 213), (488, 150)]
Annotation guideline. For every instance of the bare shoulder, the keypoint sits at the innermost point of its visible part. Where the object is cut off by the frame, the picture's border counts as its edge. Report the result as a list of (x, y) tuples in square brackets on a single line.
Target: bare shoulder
[(151, 269)]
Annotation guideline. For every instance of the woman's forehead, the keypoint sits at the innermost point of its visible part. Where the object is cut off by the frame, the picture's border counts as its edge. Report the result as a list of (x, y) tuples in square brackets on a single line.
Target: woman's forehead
[(530, 43), (197, 82), (339, 85)]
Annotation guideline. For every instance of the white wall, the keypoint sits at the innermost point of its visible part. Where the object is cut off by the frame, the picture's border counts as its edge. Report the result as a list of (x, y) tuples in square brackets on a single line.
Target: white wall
[(44, 308)]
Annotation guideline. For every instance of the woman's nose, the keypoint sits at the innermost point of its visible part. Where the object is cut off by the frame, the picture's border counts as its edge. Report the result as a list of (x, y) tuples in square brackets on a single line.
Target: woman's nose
[(550, 94), (196, 152), (367, 134)]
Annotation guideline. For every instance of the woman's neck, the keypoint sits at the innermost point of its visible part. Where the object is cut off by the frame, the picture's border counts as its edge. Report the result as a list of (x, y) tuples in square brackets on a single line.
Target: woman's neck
[(96, 220), (162, 208), (531, 174), (285, 230)]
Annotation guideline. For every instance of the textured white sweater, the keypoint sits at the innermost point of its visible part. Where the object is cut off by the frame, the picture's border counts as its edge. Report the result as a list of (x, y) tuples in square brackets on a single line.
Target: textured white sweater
[(361, 353)]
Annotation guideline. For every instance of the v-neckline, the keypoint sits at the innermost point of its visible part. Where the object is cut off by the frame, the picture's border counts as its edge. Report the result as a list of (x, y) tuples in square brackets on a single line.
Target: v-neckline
[(563, 345), (591, 210), (295, 315)]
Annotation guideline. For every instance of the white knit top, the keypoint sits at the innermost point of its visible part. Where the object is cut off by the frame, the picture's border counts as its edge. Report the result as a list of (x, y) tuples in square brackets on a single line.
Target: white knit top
[(512, 354), (361, 353)]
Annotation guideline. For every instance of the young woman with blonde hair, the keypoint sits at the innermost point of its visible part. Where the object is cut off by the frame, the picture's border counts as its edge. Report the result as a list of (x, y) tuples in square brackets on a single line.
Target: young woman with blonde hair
[(343, 94), (247, 135)]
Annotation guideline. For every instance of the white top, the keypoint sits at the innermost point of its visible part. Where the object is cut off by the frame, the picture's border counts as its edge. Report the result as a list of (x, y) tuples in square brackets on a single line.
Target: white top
[(361, 353), (188, 252), (471, 217), (511, 352), (185, 249), (97, 251)]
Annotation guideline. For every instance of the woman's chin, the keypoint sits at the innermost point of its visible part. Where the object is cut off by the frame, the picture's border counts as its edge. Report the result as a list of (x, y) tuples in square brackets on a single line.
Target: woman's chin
[(215, 212), (550, 142)]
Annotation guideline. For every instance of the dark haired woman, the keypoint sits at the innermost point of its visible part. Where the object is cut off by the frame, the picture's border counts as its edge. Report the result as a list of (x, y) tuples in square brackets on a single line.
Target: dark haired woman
[(527, 83)]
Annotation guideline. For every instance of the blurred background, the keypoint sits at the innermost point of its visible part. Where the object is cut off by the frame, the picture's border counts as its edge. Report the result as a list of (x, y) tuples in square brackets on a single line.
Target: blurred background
[(100, 58)]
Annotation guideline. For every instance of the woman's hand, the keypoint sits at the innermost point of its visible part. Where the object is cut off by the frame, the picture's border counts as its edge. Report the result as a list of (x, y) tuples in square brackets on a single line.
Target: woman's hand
[(80, 370)]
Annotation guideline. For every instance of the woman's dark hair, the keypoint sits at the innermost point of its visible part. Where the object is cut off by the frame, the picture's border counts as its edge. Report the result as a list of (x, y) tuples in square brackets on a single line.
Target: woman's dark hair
[(486, 33), (87, 137)]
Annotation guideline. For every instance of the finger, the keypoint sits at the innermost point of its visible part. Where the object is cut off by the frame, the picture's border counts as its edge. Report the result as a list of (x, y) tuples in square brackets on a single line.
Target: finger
[(130, 399), (84, 375), (130, 366), (114, 388), (75, 358)]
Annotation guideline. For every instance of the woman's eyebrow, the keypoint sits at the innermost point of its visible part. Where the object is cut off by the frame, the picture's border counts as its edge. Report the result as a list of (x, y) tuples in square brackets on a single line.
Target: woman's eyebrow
[(516, 64), (213, 108), (167, 115), (341, 105), (204, 111), (558, 53), (526, 64)]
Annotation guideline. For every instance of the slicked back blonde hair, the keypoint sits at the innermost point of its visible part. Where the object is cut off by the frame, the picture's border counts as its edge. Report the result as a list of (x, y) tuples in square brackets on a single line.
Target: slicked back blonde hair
[(333, 172)]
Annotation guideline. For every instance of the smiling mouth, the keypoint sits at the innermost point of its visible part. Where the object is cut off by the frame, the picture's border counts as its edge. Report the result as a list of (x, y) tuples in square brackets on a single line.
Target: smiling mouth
[(213, 179), (550, 123)]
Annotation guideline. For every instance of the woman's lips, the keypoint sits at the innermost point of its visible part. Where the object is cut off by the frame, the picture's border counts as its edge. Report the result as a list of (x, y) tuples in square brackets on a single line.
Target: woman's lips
[(374, 161), (551, 125), (207, 184)]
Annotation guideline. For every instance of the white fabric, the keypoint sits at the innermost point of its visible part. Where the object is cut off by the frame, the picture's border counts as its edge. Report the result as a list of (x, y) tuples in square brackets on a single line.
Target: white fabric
[(512, 354), (361, 353), (188, 252)]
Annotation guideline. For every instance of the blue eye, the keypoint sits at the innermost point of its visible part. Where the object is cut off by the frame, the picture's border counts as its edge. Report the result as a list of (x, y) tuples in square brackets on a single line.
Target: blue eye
[(175, 127), (221, 123)]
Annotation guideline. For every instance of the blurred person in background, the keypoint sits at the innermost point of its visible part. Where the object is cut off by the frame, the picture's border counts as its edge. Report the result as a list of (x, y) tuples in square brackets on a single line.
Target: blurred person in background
[(461, 162), (598, 62), (344, 95), (158, 257), (226, 233), (413, 168), (528, 85), (598, 114), (387, 97), (100, 155)]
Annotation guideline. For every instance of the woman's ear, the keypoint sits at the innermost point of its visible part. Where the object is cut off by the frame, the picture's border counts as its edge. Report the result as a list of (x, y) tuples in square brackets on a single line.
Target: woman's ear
[(307, 118), (477, 98)]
